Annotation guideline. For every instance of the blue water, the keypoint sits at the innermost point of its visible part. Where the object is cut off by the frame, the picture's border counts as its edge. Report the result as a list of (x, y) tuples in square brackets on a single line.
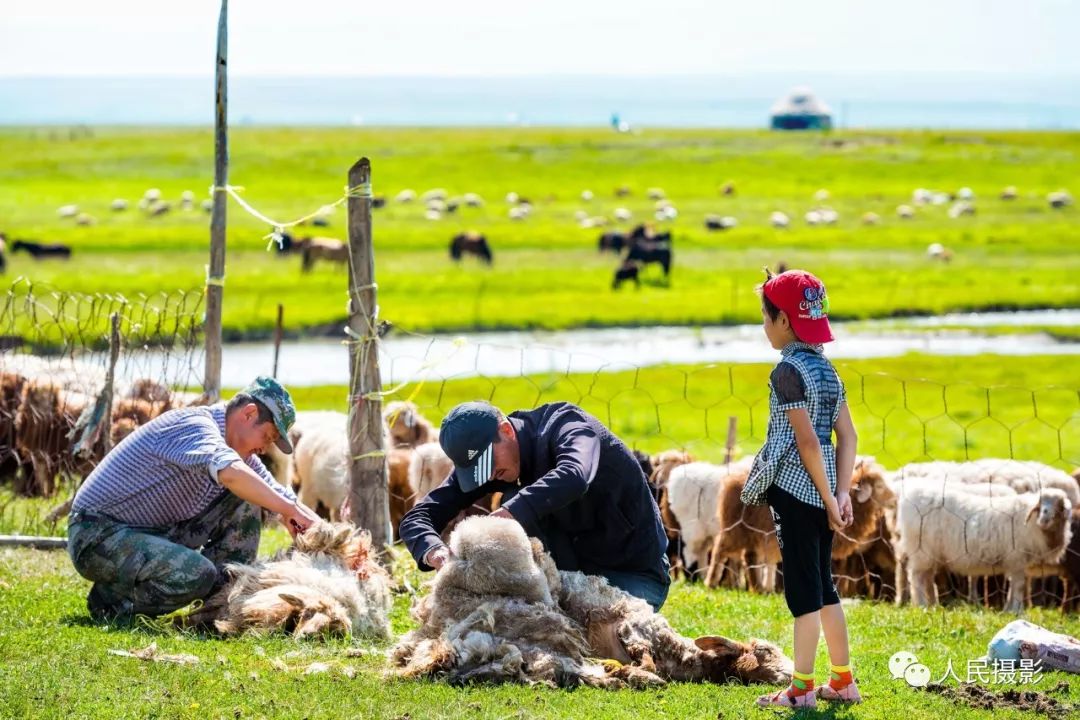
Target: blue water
[(930, 101)]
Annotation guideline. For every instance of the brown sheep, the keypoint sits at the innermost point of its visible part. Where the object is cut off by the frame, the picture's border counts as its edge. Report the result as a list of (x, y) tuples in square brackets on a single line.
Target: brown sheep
[(747, 534), (402, 496), (46, 416), (320, 248), (11, 387), (406, 426), (663, 464)]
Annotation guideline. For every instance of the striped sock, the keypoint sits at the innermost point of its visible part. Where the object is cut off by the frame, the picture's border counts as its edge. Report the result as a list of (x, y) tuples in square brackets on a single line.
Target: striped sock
[(840, 677), (801, 684)]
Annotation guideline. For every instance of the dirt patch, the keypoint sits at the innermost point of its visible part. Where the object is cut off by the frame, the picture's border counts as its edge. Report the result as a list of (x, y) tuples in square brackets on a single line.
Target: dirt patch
[(1027, 700)]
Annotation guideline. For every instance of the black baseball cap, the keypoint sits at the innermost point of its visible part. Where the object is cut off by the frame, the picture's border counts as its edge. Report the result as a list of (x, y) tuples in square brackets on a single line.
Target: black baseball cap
[(467, 435)]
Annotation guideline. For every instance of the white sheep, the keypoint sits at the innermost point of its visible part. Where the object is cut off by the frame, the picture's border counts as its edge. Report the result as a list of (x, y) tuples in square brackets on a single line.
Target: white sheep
[(320, 462), (961, 208), (1009, 193), (405, 196), (821, 195), (518, 212), (432, 215), (428, 468), (622, 214), (965, 193), (829, 216), (966, 533), (512, 198), (581, 215), (871, 218), (905, 212), (473, 200), (1021, 475), (692, 492), (435, 194), (85, 219), (1059, 199), (921, 196), (586, 195), (779, 220), (813, 217), (118, 205), (655, 194), (67, 211)]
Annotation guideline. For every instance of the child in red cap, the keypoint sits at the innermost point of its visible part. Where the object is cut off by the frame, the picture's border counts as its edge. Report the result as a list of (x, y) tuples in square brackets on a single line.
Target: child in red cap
[(805, 479)]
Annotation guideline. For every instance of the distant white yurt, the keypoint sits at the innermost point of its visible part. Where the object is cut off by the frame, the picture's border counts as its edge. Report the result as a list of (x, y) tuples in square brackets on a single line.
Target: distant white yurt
[(801, 110)]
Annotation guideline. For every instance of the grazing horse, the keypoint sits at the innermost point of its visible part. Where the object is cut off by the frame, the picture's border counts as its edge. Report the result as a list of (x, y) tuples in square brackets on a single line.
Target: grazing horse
[(41, 250), (471, 243)]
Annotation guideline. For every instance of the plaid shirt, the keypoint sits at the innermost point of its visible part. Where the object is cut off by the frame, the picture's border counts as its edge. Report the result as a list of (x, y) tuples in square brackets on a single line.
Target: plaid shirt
[(824, 394)]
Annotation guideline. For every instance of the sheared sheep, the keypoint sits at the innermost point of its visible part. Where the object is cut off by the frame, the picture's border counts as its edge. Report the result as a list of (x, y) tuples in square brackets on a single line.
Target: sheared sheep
[(329, 584), (500, 611)]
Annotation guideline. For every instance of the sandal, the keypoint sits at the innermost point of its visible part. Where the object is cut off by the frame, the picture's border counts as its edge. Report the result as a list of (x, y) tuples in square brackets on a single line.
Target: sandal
[(847, 694), (781, 698)]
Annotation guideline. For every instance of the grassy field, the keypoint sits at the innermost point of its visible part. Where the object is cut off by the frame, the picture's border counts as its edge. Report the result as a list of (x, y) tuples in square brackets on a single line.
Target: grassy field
[(547, 272), (56, 663)]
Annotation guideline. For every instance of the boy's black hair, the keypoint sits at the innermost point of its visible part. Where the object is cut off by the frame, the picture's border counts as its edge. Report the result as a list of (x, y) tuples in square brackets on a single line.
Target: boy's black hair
[(770, 309), (242, 399)]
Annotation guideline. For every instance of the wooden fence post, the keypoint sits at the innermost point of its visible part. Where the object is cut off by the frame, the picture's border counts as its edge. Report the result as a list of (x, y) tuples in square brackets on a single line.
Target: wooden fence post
[(729, 446), (369, 495), (278, 332), (215, 276)]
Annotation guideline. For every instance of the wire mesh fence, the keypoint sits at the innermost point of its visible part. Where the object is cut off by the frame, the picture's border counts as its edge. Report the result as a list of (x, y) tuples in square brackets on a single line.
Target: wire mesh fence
[(56, 365)]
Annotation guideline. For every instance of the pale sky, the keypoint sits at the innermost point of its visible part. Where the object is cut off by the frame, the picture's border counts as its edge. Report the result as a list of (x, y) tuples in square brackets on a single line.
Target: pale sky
[(530, 37)]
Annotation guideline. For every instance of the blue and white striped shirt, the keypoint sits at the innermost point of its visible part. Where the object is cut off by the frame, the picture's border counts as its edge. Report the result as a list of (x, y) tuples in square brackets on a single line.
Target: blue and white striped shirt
[(166, 471)]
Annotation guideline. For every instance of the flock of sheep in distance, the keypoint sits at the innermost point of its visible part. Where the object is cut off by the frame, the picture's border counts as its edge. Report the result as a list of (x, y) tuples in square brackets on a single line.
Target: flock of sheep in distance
[(638, 240)]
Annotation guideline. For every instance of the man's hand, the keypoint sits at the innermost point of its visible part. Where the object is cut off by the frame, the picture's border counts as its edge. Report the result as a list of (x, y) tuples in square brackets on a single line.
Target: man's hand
[(298, 518), (438, 557)]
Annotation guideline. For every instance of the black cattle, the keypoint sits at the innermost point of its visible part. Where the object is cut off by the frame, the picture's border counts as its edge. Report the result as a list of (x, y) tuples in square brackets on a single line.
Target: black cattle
[(41, 250), (652, 251), (471, 243), (614, 241), (627, 271)]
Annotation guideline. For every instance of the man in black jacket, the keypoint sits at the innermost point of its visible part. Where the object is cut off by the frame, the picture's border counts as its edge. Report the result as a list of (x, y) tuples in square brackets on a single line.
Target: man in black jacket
[(565, 477)]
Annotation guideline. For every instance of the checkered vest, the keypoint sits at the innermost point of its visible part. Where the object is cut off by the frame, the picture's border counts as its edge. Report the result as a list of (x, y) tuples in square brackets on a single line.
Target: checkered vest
[(778, 462)]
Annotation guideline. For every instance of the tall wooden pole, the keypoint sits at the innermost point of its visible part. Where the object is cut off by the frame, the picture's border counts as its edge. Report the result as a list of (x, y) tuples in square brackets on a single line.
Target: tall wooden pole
[(369, 495), (215, 279)]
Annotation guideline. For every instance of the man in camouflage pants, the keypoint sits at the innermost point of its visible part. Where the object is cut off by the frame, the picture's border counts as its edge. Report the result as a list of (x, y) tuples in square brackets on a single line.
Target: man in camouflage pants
[(156, 522)]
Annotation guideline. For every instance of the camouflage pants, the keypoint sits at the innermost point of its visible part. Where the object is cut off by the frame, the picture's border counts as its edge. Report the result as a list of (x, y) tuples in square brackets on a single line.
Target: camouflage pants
[(156, 570)]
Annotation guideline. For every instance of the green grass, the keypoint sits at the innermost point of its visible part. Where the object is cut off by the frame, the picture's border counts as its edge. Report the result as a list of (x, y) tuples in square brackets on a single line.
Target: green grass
[(55, 663), (547, 273)]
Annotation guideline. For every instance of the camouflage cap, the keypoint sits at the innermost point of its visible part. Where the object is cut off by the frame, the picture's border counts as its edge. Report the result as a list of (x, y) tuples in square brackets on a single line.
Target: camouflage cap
[(276, 398)]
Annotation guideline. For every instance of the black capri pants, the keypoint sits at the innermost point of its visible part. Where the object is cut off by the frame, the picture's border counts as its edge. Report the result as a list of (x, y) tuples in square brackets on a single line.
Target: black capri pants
[(805, 540)]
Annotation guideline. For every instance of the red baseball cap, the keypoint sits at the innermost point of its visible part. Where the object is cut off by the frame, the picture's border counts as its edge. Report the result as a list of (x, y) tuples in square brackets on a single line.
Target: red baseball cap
[(802, 296)]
